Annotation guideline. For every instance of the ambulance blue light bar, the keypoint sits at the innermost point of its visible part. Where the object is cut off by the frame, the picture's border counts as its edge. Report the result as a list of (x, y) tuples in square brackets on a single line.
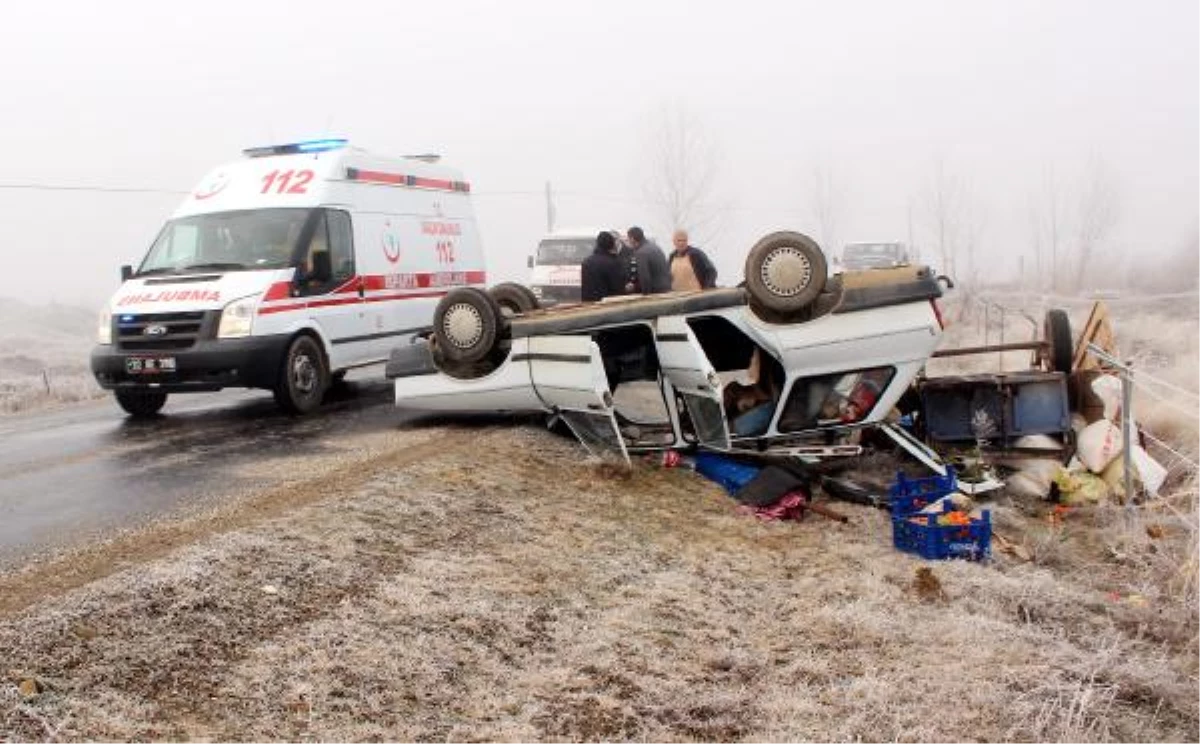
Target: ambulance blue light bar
[(292, 148)]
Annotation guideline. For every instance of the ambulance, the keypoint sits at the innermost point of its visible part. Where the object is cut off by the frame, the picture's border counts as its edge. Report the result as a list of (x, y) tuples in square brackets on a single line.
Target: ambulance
[(555, 275), (284, 270)]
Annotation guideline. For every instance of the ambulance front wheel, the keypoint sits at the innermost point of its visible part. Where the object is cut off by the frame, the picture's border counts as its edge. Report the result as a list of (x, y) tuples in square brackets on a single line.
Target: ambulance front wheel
[(141, 403), (303, 378)]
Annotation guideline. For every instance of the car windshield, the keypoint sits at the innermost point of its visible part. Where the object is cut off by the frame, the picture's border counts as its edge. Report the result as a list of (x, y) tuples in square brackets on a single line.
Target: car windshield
[(246, 239), (872, 250), (564, 251)]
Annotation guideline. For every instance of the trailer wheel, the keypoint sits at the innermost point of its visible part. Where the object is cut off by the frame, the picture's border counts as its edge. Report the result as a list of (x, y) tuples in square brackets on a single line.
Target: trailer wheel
[(304, 377), (1057, 332), (513, 298), (466, 324), (785, 271), (141, 403)]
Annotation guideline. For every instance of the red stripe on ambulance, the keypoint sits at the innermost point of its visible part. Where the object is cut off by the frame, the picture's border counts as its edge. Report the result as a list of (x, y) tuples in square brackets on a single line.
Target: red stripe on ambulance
[(441, 282), (402, 179)]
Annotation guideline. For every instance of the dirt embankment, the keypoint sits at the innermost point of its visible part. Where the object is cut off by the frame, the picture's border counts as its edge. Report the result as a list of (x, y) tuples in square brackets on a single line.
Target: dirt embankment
[(490, 584)]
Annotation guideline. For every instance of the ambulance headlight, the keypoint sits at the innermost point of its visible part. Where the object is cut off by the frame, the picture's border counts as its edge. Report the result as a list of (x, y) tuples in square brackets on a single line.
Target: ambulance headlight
[(104, 327), (237, 318)]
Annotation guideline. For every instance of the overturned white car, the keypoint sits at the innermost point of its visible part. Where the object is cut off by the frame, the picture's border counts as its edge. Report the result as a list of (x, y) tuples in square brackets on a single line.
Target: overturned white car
[(788, 354)]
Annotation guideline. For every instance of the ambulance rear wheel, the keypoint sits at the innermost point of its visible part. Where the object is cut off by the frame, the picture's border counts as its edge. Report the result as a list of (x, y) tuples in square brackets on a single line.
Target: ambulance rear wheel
[(513, 298), (303, 378), (466, 324), (141, 403), (785, 272)]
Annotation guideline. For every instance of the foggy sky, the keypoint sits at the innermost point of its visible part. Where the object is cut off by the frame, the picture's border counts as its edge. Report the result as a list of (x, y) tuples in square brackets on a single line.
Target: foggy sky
[(153, 94)]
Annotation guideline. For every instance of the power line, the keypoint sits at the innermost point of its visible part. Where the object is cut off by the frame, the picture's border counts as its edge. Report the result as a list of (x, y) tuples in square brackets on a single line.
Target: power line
[(94, 189)]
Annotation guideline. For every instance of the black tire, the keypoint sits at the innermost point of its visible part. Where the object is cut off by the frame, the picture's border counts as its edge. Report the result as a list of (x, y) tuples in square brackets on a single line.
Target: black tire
[(785, 271), (303, 378), (513, 298), (141, 403), (466, 324), (1057, 331)]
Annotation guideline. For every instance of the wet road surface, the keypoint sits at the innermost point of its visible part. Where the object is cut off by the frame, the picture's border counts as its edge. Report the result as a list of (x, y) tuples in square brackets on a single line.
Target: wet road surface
[(76, 473)]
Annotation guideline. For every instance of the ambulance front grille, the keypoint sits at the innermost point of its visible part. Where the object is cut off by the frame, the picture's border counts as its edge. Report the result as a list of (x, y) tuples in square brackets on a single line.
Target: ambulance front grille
[(159, 331)]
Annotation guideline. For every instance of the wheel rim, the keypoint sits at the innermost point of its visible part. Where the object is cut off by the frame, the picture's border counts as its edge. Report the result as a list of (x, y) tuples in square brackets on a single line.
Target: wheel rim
[(463, 325), (786, 271), (304, 374)]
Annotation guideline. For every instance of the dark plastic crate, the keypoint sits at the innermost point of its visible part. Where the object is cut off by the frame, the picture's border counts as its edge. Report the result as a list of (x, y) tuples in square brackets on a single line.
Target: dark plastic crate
[(908, 495), (921, 534)]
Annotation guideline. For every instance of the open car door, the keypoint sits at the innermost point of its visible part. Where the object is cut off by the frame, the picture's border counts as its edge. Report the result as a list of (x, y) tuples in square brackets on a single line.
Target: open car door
[(568, 375), (695, 380)]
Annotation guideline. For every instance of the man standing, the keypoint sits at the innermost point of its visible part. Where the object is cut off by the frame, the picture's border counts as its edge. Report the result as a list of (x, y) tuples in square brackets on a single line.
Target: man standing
[(690, 267), (602, 274), (649, 273)]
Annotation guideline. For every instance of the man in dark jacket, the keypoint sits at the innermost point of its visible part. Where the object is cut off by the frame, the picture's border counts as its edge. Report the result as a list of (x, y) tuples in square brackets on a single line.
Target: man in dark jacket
[(690, 267), (649, 273), (602, 273)]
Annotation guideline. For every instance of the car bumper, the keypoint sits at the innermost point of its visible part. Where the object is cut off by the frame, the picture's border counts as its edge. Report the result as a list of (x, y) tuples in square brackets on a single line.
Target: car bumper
[(210, 364)]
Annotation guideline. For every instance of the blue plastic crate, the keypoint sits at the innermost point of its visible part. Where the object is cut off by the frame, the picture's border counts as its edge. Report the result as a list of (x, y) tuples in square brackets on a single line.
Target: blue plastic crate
[(908, 495), (921, 534), (725, 471)]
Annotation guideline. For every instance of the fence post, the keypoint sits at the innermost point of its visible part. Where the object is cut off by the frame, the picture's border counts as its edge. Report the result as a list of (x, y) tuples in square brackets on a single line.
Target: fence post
[(1003, 320), (46, 380), (1127, 434), (1125, 370)]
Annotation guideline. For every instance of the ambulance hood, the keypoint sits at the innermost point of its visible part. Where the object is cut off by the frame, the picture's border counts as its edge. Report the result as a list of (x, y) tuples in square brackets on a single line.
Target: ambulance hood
[(192, 292)]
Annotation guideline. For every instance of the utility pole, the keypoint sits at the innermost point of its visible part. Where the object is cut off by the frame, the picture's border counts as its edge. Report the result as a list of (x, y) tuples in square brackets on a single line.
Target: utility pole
[(550, 215), (916, 254)]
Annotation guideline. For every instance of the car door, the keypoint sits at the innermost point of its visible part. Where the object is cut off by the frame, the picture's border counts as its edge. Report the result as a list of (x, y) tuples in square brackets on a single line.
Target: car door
[(694, 379), (336, 304), (568, 375)]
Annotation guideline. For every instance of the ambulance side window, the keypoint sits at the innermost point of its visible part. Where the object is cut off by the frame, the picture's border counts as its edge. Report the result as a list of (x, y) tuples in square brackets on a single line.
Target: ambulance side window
[(341, 244)]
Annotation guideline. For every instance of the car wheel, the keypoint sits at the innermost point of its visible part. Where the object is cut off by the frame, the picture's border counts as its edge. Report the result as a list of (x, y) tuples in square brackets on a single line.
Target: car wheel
[(785, 272), (141, 403), (1057, 332), (304, 377), (466, 324), (513, 298)]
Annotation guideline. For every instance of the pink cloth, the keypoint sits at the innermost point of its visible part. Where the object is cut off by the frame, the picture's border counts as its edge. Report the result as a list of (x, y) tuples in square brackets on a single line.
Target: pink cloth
[(791, 506)]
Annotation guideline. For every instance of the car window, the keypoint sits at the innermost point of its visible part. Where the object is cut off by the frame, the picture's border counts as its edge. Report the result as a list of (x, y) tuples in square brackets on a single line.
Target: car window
[(341, 244), (837, 399)]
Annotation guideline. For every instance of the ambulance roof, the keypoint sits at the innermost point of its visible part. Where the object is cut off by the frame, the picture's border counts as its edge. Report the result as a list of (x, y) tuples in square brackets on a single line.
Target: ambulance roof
[(301, 175)]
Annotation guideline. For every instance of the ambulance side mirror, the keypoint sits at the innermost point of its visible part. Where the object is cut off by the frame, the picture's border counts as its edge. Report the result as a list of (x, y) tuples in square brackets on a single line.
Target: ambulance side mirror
[(322, 267), (529, 262), (126, 272)]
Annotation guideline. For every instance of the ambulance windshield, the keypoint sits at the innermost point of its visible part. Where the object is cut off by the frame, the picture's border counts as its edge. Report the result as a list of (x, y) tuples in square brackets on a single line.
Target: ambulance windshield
[(229, 241), (564, 251)]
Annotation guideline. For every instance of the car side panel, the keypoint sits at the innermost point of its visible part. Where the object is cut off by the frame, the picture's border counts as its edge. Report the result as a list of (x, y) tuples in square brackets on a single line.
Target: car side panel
[(507, 388)]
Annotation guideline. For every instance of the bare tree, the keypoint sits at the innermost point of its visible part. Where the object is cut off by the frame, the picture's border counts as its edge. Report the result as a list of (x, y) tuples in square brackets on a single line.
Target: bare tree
[(827, 204), (1048, 220), (1098, 215), (943, 214), (684, 163), (1067, 242), (955, 220), (969, 236)]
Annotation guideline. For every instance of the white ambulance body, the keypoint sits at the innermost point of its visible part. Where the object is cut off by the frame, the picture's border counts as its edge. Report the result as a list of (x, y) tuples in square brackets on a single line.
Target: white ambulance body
[(285, 269)]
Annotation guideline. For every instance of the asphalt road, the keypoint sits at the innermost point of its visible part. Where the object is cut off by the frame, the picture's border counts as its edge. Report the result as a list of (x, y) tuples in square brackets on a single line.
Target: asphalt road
[(73, 474)]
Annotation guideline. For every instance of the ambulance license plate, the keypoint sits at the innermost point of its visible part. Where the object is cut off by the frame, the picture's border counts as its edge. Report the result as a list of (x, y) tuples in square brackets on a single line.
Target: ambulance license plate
[(149, 365)]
